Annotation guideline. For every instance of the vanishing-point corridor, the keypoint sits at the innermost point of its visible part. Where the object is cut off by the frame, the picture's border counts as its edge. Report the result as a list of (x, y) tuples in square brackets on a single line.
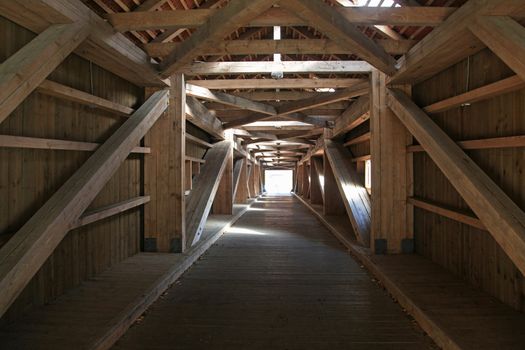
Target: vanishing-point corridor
[(277, 280)]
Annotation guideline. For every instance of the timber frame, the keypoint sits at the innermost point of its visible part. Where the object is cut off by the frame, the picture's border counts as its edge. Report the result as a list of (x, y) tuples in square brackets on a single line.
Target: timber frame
[(219, 109)]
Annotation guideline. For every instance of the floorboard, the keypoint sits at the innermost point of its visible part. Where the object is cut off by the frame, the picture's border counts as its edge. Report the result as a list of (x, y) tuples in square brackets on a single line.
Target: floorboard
[(454, 314), (276, 280), (95, 314)]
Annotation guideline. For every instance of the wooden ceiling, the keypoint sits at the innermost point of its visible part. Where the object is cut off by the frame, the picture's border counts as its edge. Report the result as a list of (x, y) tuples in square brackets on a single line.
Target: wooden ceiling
[(315, 64)]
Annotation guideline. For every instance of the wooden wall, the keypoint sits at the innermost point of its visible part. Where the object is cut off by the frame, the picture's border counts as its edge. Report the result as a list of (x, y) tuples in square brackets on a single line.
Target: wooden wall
[(29, 177), (467, 251)]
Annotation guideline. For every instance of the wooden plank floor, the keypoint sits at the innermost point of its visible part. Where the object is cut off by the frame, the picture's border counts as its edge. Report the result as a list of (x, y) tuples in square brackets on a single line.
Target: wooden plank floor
[(277, 280), (455, 314), (99, 311)]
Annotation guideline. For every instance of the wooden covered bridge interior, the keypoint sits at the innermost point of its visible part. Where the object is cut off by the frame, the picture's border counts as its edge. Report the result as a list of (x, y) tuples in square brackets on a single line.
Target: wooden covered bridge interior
[(135, 139)]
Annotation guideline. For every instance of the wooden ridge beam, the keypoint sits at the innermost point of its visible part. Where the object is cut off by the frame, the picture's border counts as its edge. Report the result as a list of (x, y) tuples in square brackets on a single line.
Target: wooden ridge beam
[(505, 37), (225, 21), (395, 16), (337, 27), (51, 88), (353, 193), (9, 141), (285, 46), (201, 117), (205, 185), (25, 70), (321, 100), (253, 67), (235, 84), (356, 114), (491, 90), (23, 255), (454, 214), (229, 100), (104, 47), (501, 216)]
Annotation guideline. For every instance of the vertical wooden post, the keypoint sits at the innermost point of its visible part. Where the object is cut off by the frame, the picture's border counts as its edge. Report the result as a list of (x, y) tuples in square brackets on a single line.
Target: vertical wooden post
[(178, 149), (316, 196), (333, 205), (165, 175), (223, 202), (392, 230)]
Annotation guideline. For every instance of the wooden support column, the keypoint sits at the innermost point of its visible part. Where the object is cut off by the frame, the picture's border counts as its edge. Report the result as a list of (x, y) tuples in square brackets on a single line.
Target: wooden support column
[(21, 73), (316, 195), (165, 176), (241, 195), (353, 192), (223, 202), (249, 178), (501, 216), (333, 205), (306, 181), (25, 253), (201, 198), (319, 168), (392, 229), (237, 170)]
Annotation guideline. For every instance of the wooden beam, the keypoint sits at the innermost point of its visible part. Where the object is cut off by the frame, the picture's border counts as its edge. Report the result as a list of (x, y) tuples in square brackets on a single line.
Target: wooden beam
[(505, 37), (237, 170), (280, 95), (357, 140), (491, 90), (322, 99), (395, 16), (252, 67), (98, 214), (490, 143), (9, 141), (205, 185), (229, 100), (337, 27), (456, 215), (21, 73), (500, 215), (104, 47), (178, 240), (51, 88), (223, 201), (201, 117), (316, 190), (285, 46), (235, 84), (23, 255), (391, 175), (450, 42), (225, 21), (241, 195), (355, 115), (333, 203), (150, 5), (354, 195), (197, 141)]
